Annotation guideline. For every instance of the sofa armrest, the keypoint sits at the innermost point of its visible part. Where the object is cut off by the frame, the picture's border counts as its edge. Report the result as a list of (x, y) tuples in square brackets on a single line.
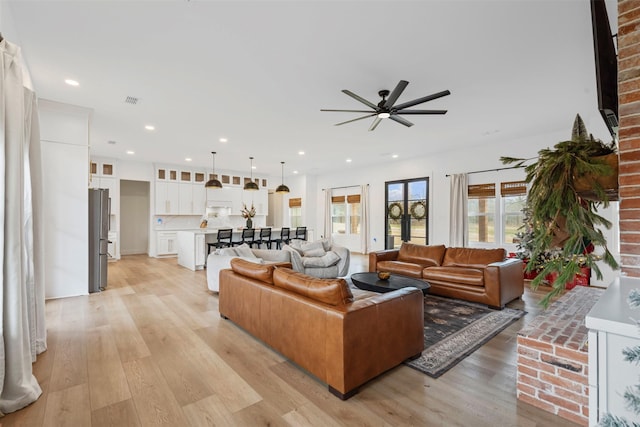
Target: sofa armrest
[(386, 255), (296, 259), (504, 281), (345, 259)]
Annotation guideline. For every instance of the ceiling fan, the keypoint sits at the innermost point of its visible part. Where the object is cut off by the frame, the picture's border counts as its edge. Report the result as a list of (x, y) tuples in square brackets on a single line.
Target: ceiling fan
[(386, 108)]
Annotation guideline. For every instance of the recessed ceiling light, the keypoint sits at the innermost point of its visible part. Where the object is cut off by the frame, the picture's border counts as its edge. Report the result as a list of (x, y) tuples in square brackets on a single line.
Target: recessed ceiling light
[(395, 156), (295, 172), (301, 153), (131, 152), (224, 140), (348, 160), (150, 127), (72, 82), (253, 167), (188, 159)]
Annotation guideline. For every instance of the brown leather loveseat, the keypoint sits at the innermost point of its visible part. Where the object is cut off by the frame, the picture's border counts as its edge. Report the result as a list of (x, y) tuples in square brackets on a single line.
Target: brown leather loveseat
[(473, 274), (318, 323)]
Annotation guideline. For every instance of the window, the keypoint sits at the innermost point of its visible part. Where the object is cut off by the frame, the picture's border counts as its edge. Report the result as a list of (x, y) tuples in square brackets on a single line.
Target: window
[(513, 198), (345, 214), (481, 213), (295, 212)]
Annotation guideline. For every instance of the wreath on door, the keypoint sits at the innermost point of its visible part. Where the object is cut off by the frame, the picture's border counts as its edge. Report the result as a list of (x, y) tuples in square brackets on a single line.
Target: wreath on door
[(418, 210), (395, 210)]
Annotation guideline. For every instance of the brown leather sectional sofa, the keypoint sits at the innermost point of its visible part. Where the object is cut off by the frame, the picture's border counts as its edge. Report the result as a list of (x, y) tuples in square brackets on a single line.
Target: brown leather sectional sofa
[(344, 338), (478, 275)]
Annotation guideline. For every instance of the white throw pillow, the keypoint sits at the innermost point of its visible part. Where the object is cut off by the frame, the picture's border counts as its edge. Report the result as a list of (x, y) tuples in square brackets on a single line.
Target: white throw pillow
[(330, 258), (313, 249), (245, 251), (326, 244)]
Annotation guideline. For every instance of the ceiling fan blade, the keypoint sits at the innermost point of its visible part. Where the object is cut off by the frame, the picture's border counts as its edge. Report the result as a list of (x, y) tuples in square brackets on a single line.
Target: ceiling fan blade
[(375, 123), (350, 111), (353, 120), (402, 120), (361, 99), (421, 112), (423, 99), (396, 93)]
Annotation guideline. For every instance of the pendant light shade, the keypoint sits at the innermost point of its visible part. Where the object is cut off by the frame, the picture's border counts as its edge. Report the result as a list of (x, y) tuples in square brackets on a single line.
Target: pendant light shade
[(251, 186), (282, 188), (213, 182)]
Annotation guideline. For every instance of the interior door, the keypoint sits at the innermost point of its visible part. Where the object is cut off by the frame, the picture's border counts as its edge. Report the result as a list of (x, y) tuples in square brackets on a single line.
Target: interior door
[(407, 207)]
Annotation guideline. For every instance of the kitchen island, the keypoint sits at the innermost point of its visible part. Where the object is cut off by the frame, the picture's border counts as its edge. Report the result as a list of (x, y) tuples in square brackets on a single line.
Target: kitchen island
[(192, 245)]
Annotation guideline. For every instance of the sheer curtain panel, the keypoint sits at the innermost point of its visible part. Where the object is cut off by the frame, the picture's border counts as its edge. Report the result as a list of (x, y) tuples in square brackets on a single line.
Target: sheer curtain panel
[(327, 214), (22, 291), (458, 235), (364, 230)]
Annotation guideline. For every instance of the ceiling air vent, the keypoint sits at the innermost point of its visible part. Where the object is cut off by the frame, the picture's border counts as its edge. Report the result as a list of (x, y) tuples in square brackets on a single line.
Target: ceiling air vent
[(131, 100)]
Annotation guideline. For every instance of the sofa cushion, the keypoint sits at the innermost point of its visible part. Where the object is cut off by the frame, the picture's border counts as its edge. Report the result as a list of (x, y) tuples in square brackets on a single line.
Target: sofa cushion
[(261, 272), (328, 291), (472, 257), (404, 268), (327, 260), (425, 256), (314, 249), (462, 275), (226, 252), (244, 250)]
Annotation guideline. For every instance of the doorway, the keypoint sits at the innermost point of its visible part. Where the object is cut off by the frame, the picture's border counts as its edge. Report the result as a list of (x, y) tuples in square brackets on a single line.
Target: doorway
[(407, 205), (134, 221)]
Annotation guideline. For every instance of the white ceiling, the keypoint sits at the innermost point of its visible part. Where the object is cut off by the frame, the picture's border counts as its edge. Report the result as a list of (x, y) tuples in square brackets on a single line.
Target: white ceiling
[(259, 72)]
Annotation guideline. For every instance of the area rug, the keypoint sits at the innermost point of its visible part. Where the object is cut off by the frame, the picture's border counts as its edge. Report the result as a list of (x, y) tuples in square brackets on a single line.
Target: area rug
[(453, 329)]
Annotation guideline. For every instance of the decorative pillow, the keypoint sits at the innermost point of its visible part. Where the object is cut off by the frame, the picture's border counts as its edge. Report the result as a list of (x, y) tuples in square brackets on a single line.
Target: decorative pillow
[(327, 260), (227, 252), (245, 251), (294, 245), (312, 249), (262, 272), (328, 291), (326, 244)]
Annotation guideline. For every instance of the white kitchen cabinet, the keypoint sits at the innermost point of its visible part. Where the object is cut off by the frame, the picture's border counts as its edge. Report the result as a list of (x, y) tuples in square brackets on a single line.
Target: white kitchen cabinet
[(186, 199), (199, 199), (612, 328), (167, 198), (191, 250), (260, 200), (167, 243), (113, 185)]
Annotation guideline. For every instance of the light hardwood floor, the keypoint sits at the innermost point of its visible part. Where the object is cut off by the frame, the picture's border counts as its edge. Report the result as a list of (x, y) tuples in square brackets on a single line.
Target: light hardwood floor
[(153, 350)]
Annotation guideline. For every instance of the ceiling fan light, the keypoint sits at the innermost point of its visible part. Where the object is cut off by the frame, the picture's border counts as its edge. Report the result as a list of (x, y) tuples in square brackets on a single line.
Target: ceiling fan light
[(384, 115)]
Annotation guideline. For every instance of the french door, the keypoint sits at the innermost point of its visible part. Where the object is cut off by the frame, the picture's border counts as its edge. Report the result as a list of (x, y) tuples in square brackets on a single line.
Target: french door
[(407, 206)]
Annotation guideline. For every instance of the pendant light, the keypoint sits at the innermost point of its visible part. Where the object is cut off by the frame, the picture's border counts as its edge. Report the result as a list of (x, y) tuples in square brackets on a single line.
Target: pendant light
[(213, 182), (282, 188), (251, 186)]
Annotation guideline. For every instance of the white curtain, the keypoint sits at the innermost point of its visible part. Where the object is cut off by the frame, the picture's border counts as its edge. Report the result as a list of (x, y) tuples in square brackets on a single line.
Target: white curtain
[(327, 214), (364, 220), (458, 211), (22, 291)]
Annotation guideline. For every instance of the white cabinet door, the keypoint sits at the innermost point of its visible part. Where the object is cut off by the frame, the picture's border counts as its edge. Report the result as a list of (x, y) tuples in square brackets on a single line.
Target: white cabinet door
[(186, 199), (167, 198), (261, 202), (167, 244), (112, 185), (200, 250), (199, 199)]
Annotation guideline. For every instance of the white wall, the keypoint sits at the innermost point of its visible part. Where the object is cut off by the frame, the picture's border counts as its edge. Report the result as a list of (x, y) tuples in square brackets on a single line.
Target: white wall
[(64, 131)]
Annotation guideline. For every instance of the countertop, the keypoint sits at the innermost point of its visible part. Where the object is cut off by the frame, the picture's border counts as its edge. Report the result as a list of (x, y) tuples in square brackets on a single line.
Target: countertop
[(612, 313)]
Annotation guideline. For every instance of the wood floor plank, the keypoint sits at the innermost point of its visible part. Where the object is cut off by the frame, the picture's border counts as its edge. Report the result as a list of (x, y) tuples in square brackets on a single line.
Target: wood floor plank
[(185, 366), (107, 380), (155, 404), (69, 407), (120, 414), (210, 411)]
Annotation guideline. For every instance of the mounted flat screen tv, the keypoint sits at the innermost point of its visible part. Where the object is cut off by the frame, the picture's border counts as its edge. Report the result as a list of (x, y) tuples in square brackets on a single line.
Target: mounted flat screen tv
[(606, 66)]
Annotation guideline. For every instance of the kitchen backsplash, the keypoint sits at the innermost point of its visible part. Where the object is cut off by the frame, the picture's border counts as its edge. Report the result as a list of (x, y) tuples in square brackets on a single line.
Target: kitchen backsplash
[(191, 222)]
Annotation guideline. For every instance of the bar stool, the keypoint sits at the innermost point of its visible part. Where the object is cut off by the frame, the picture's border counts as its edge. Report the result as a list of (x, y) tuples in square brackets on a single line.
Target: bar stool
[(301, 233), (223, 240), (283, 239), (248, 237), (264, 237)]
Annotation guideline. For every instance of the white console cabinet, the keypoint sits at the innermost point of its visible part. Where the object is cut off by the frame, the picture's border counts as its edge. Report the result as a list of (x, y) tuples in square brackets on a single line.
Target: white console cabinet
[(612, 328)]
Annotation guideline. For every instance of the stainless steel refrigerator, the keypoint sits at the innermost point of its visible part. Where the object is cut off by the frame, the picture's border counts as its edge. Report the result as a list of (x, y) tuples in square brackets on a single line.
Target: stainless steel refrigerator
[(99, 207)]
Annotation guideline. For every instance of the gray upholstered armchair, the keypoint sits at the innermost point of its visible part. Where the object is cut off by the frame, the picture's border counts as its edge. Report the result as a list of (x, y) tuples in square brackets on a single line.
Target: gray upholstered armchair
[(319, 259)]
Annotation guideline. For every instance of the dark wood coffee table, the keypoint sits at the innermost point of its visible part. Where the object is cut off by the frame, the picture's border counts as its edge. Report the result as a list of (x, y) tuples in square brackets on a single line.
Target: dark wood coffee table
[(370, 282)]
